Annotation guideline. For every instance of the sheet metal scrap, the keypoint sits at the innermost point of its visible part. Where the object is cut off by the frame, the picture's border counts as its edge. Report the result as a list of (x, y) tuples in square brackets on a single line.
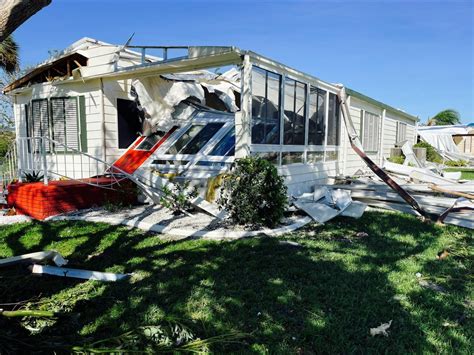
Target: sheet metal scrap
[(357, 146)]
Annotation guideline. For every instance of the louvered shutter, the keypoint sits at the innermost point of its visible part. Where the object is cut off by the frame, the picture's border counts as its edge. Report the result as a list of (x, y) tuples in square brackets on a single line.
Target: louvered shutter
[(57, 113), (370, 132), (72, 128), (40, 117)]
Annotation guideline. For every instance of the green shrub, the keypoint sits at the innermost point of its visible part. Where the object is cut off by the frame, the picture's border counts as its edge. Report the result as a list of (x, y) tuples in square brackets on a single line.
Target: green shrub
[(431, 153), (178, 199), (457, 163), (399, 159), (253, 193)]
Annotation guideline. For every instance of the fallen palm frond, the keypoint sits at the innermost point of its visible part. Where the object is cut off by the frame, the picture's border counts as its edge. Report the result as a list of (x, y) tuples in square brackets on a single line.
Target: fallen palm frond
[(171, 336)]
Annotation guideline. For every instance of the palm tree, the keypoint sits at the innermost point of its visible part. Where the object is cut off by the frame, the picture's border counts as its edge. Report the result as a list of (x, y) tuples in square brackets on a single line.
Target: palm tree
[(9, 55), (444, 118)]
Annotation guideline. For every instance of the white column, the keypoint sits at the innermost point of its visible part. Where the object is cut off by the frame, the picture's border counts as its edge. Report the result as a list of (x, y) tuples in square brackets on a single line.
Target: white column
[(243, 117)]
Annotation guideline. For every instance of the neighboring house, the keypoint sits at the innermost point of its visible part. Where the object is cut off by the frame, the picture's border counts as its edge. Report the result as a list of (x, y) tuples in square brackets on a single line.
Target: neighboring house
[(97, 98)]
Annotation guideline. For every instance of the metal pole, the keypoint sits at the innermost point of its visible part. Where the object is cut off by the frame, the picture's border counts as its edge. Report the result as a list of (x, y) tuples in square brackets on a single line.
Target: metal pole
[(45, 164)]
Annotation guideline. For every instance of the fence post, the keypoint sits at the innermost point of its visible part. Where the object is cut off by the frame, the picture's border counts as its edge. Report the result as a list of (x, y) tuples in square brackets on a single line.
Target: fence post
[(45, 164)]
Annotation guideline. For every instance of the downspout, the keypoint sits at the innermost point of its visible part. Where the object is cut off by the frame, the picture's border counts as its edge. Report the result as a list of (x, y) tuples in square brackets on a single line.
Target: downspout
[(102, 113)]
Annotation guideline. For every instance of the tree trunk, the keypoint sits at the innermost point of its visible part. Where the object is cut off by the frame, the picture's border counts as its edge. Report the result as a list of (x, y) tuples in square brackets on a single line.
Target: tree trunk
[(14, 12)]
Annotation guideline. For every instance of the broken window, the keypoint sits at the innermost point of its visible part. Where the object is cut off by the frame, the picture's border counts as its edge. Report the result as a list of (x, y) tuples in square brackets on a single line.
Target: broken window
[(265, 107), (333, 120), (129, 120), (317, 116), (295, 109), (370, 131)]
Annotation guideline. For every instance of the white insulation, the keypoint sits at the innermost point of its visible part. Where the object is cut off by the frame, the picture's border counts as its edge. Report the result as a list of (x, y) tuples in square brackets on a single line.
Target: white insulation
[(159, 97)]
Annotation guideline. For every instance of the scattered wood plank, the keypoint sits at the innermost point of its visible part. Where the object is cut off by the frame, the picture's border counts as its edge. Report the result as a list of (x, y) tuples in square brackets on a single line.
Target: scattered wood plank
[(454, 193)]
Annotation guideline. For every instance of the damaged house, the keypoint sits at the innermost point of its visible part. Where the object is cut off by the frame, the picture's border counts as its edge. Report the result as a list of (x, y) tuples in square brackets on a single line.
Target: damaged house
[(188, 113)]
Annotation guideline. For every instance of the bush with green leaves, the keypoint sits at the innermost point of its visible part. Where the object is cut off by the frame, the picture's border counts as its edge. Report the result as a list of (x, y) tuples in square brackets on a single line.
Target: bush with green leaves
[(431, 153), (178, 197), (253, 193), (457, 163), (399, 159)]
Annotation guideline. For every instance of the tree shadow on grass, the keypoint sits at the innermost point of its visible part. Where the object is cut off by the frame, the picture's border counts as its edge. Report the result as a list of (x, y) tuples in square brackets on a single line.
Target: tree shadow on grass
[(306, 299)]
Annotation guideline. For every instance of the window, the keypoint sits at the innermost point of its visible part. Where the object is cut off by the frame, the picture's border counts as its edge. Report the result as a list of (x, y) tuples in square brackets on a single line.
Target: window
[(295, 112), (226, 145), (62, 119), (195, 138), (291, 158), (129, 120), (317, 116), (64, 112), (401, 132), (334, 125), (196, 144), (370, 131), (265, 107)]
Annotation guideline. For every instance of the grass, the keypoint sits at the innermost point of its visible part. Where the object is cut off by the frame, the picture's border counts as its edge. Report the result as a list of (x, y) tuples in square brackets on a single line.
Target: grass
[(466, 173), (320, 297)]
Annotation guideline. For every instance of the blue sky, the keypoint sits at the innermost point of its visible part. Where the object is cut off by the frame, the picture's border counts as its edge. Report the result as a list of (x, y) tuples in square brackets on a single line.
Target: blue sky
[(415, 55)]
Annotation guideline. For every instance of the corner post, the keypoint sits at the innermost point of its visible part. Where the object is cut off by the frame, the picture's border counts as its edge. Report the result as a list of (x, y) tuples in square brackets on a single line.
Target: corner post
[(243, 118)]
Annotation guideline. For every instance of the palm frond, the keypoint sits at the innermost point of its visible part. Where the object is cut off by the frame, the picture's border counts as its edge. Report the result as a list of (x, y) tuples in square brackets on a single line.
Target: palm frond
[(9, 60), (445, 117)]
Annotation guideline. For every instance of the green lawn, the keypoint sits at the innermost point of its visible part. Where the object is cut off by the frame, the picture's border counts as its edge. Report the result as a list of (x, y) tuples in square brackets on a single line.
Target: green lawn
[(466, 173), (320, 297)]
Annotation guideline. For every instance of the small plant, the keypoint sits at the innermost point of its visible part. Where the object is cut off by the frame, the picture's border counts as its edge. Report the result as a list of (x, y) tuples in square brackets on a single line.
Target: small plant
[(113, 206), (456, 163), (34, 176), (431, 153), (254, 194), (178, 199), (399, 159)]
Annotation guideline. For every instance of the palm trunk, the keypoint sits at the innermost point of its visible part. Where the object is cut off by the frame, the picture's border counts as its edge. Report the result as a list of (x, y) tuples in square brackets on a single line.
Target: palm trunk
[(14, 12)]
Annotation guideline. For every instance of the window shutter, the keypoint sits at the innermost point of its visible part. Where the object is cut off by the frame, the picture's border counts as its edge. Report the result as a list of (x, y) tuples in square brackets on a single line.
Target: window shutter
[(40, 117), (370, 132), (71, 121), (82, 123), (57, 117)]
